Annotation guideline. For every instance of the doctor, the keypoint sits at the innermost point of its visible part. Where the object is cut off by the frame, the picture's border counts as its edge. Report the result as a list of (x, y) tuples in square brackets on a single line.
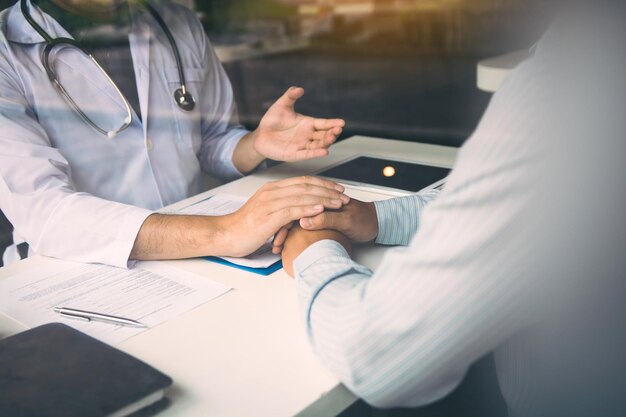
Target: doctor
[(85, 158)]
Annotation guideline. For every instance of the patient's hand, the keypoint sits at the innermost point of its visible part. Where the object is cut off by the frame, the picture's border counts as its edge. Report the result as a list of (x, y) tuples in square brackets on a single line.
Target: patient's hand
[(298, 240), (356, 220)]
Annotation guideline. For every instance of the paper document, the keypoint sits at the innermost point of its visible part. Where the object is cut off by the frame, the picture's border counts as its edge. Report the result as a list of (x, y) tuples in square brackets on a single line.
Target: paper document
[(151, 293), (222, 204), (217, 205)]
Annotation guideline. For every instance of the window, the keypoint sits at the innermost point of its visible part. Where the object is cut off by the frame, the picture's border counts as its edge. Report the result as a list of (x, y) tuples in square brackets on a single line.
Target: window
[(403, 69)]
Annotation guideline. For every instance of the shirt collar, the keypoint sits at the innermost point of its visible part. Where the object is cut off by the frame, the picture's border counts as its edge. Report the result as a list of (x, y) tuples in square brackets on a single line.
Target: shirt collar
[(20, 31)]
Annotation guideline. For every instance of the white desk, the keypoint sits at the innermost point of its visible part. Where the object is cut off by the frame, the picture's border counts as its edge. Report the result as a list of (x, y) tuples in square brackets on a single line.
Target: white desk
[(246, 353), (493, 71)]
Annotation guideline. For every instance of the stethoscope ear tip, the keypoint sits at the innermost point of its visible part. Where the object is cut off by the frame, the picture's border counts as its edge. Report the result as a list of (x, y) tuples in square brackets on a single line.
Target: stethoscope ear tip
[(184, 99)]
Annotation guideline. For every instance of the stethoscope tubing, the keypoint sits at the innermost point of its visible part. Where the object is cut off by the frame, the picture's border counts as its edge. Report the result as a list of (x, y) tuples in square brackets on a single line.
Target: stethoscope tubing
[(184, 99), (179, 63)]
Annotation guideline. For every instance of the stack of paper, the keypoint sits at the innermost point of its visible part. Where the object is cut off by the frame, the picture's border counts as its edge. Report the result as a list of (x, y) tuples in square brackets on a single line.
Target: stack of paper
[(151, 293)]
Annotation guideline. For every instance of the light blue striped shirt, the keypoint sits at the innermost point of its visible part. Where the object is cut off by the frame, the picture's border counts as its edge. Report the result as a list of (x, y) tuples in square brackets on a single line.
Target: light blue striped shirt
[(521, 254)]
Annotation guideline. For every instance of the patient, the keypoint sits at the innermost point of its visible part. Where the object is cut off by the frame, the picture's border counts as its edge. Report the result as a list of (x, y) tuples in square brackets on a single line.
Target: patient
[(521, 254)]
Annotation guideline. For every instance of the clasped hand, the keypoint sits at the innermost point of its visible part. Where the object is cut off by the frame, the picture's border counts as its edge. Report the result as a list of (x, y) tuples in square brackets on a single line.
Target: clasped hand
[(298, 212), (274, 206), (354, 222)]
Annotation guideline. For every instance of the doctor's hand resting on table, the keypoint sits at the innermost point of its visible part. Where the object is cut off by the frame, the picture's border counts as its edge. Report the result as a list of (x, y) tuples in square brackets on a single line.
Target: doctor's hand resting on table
[(275, 205), (89, 153)]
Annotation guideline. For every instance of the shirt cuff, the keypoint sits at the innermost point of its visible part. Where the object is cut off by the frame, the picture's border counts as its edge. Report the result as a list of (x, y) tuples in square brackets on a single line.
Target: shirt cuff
[(91, 230), (228, 169), (315, 267), (320, 264), (318, 250), (399, 218), (127, 240)]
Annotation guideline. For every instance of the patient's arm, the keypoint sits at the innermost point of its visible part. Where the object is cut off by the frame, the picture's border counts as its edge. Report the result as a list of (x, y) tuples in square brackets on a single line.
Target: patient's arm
[(390, 222)]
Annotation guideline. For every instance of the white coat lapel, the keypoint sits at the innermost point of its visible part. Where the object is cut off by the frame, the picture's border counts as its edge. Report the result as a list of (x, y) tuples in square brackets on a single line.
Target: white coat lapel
[(140, 45)]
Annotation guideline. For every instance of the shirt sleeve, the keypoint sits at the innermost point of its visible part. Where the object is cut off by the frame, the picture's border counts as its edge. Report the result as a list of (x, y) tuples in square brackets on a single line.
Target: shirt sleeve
[(398, 221), (221, 131), (405, 335), (359, 339), (38, 197), (471, 277), (399, 218)]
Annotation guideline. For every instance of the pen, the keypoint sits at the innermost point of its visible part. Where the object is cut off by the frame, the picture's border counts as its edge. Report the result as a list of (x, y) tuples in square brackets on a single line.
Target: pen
[(82, 315)]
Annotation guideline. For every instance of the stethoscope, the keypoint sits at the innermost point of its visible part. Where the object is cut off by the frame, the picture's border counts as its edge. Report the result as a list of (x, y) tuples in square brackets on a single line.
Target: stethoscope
[(183, 98)]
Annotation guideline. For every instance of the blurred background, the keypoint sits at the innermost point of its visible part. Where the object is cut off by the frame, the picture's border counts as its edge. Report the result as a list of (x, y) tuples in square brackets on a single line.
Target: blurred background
[(402, 69)]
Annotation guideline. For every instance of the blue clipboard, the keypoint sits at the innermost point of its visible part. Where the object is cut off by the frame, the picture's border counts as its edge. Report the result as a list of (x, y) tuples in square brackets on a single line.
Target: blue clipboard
[(259, 271)]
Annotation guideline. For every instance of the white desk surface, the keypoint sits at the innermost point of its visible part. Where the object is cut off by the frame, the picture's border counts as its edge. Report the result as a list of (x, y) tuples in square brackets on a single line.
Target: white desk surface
[(493, 71), (246, 353)]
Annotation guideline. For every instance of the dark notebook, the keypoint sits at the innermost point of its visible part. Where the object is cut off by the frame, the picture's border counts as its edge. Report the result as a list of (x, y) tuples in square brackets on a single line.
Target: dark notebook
[(56, 371)]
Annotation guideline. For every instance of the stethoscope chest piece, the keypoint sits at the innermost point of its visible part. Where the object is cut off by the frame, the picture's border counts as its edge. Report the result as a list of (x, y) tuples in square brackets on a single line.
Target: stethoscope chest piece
[(184, 99)]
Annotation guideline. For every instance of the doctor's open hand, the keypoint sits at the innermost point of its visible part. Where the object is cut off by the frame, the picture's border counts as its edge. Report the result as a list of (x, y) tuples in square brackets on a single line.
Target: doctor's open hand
[(284, 135)]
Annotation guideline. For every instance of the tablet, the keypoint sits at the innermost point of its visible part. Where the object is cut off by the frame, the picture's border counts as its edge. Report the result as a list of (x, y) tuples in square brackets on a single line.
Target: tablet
[(399, 175)]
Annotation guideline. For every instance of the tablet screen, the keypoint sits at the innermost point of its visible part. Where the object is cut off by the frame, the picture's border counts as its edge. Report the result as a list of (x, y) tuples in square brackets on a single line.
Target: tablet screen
[(386, 173)]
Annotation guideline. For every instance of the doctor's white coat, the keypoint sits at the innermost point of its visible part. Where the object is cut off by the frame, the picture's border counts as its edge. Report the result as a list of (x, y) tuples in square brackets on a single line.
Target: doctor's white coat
[(75, 194)]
